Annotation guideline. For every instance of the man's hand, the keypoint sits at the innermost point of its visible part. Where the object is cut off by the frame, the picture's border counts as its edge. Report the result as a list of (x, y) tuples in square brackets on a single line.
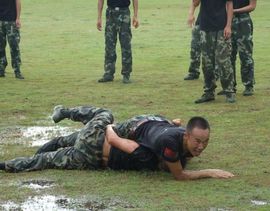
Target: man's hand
[(135, 22), (177, 122), (191, 20), (227, 32), (18, 23), (221, 174), (99, 24)]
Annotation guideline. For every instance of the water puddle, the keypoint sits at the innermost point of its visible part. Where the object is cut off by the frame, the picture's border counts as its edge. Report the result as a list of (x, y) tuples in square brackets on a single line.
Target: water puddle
[(37, 184), (61, 203), (259, 203), (33, 136)]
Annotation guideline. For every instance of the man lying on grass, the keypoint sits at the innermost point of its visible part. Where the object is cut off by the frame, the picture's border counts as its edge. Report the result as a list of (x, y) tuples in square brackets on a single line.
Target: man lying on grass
[(145, 142)]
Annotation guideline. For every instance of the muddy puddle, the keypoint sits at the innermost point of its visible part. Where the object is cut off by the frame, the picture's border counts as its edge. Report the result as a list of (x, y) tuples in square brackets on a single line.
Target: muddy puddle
[(33, 136), (62, 203), (38, 184)]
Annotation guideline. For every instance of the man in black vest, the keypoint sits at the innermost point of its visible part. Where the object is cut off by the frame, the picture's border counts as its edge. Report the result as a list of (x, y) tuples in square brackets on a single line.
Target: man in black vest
[(242, 42), (10, 23), (215, 25), (118, 23)]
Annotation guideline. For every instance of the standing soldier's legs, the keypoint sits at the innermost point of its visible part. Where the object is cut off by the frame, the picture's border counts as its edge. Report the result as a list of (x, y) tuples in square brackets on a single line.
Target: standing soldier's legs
[(223, 62), (195, 55), (125, 37), (245, 46), (3, 43), (208, 43), (110, 45), (58, 142), (13, 36), (234, 39)]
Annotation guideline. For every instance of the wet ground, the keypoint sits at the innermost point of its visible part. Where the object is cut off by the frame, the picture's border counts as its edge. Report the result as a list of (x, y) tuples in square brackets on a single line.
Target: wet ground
[(37, 136), (62, 203), (33, 136)]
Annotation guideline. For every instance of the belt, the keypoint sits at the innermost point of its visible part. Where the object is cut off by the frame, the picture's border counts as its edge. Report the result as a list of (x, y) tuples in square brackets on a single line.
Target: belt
[(239, 15), (118, 8)]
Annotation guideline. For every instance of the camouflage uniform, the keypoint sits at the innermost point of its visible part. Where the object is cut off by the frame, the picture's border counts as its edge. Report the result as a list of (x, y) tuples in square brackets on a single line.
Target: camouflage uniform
[(80, 150), (117, 23), (195, 52), (86, 152), (242, 35), (10, 32), (216, 52)]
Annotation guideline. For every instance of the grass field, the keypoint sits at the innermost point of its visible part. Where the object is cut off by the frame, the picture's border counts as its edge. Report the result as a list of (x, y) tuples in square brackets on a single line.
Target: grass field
[(63, 56)]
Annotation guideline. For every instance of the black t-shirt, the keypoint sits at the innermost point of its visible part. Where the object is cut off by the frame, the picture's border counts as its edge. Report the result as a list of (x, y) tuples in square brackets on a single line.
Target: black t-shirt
[(240, 3), (213, 15), (8, 10), (141, 159), (164, 139), (118, 3)]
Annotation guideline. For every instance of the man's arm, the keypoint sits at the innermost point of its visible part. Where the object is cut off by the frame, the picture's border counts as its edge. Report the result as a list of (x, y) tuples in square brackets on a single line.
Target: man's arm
[(180, 174), (99, 19), (135, 20), (228, 27), (18, 11), (191, 18), (125, 145), (248, 8)]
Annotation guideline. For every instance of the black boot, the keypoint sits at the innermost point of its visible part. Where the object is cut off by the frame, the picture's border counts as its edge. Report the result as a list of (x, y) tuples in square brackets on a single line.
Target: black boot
[(60, 113), (2, 166), (18, 75)]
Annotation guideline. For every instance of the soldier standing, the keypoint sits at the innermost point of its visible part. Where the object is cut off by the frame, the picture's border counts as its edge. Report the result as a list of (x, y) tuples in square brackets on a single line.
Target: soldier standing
[(242, 35), (215, 24), (195, 51), (10, 23), (118, 22)]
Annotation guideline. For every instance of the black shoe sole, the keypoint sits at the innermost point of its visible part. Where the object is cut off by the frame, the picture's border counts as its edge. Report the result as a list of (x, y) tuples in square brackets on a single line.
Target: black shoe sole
[(204, 101)]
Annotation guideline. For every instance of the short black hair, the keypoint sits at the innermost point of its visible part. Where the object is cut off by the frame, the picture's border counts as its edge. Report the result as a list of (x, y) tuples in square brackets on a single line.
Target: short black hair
[(198, 122)]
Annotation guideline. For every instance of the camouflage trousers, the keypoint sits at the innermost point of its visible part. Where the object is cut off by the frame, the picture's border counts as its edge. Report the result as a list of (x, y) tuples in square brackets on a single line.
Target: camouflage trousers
[(216, 54), (242, 42), (81, 150), (9, 32), (117, 24), (195, 51)]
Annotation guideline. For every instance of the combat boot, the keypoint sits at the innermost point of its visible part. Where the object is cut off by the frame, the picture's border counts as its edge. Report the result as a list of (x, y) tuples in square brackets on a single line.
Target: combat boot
[(18, 75), (126, 79), (206, 97), (230, 98), (105, 79), (191, 77), (60, 113), (248, 91), (2, 73)]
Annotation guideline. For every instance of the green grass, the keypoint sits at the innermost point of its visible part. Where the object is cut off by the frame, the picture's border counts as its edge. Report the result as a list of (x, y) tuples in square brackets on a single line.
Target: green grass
[(63, 55)]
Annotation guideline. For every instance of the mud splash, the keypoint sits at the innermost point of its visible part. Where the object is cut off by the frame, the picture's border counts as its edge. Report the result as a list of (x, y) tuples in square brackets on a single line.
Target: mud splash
[(61, 203)]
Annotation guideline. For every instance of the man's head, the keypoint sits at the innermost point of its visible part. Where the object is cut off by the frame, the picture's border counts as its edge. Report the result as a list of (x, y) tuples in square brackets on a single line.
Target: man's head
[(197, 135)]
